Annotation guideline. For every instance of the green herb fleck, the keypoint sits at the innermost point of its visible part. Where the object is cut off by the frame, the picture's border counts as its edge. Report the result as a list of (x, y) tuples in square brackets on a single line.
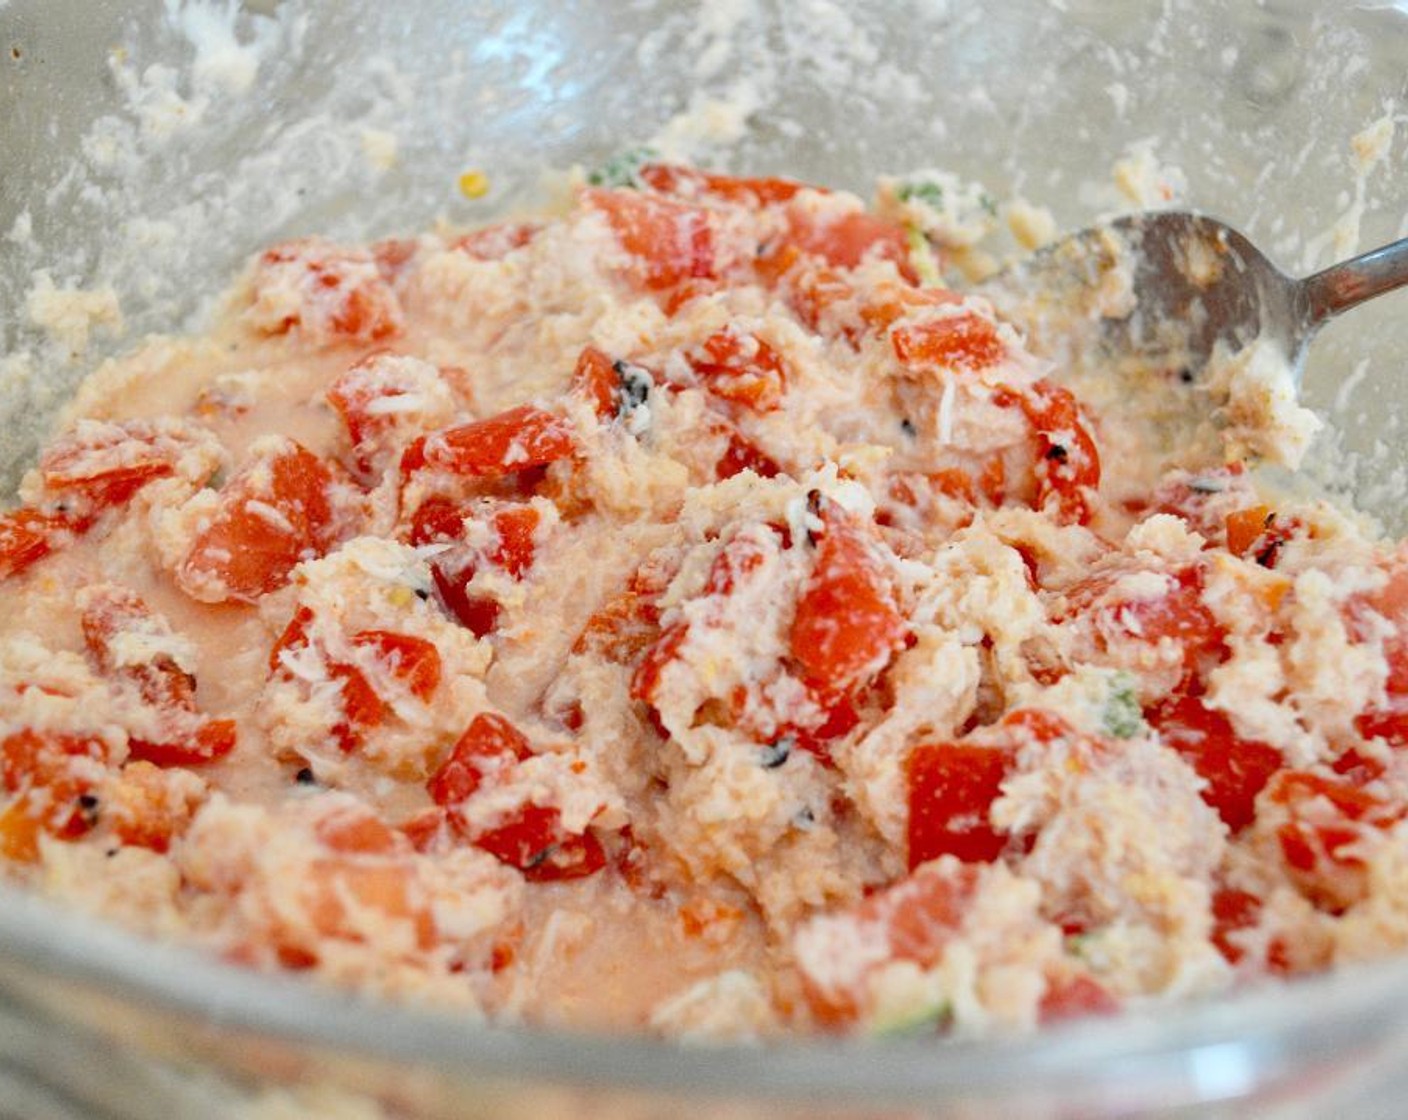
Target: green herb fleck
[(622, 170), (1122, 717), (925, 191)]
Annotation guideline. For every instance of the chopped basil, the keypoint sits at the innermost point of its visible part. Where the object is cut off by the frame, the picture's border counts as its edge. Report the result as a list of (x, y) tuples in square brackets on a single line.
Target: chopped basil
[(1122, 718), (622, 170), (926, 191)]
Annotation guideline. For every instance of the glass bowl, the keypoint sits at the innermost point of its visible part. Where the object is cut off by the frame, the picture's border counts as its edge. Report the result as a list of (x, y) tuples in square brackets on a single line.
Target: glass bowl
[(150, 146)]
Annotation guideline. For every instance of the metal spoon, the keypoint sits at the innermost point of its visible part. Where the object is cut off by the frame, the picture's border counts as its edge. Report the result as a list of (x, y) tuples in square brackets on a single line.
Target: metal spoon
[(1194, 281)]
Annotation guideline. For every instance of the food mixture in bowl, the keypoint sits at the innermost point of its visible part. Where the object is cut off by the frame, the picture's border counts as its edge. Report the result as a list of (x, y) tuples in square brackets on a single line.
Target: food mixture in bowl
[(686, 613)]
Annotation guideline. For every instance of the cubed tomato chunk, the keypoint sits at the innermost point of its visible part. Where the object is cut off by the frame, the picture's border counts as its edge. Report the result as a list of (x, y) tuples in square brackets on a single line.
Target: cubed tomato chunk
[(848, 239), (913, 920), (1067, 462), (489, 744), (413, 661), (52, 778), (1235, 769), (273, 514), (966, 342), (115, 623), (27, 536), (108, 462), (493, 243), (512, 441), (378, 393), (516, 525), (116, 617), (595, 379), (535, 843), (1328, 831), (330, 293), (951, 789), (1075, 997), (847, 625), (666, 241), (741, 367), (691, 183), (741, 455)]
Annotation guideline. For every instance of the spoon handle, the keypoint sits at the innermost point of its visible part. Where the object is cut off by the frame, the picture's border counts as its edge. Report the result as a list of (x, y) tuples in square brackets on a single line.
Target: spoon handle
[(1351, 282)]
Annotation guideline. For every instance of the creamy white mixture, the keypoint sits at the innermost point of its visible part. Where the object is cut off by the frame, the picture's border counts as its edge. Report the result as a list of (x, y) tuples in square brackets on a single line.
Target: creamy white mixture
[(686, 613)]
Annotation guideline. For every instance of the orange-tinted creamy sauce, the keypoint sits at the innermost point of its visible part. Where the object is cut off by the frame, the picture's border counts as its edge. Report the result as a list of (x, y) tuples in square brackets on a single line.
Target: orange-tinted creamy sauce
[(673, 615)]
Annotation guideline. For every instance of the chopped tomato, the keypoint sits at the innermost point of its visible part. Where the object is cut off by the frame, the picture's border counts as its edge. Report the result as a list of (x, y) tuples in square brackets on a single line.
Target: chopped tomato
[(849, 239), (413, 661), (118, 615), (1235, 910), (1179, 616), (273, 514), (369, 399), (628, 623), (645, 682), (142, 808), (512, 441), (951, 789), (889, 302), (952, 785), (536, 845), (117, 618), (437, 520), (109, 462), (204, 740), (1067, 463), (357, 831), (667, 241), (595, 379), (1075, 997), (967, 342), (51, 777), (27, 536), (1329, 829), (362, 708), (1244, 526), (515, 525), (493, 243), (741, 455), (478, 614), (1235, 769), (489, 743), (847, 625), (913, 920), (741, 368), (691, 183), (330, 293)]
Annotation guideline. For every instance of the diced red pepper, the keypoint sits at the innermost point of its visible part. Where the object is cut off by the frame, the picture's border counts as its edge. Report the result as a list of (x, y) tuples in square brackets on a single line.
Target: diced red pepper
[(27, 536), (1067, 463), (667, 241), (188, 737), (536, 845), (846, 240), (968, 342), (741, 368), (741, 455), (108, 463), (847, 625), (340, 294), (493, 243), (273, 514), (1235, 769), (595, 378), (413, 661), (951, 789), (1330, 823), (1075, 997), (691, 183), (512, 441), (490, 742)]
